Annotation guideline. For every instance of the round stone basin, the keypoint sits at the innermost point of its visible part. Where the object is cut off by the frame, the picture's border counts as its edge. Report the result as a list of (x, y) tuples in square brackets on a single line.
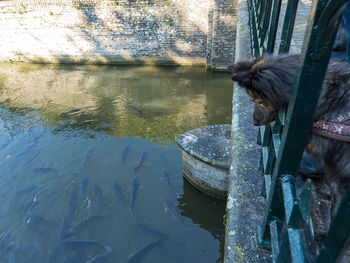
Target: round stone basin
[(206, 156)]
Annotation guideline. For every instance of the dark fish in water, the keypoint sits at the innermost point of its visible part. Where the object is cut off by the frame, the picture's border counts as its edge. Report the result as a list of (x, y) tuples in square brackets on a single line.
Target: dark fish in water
[(172, 248), (88, 156), (38, 219), (64, 228), (133, 190), (79, 244), (173, 210), (99, 195), (136, 109), (141, 161), (82, 224), (100, 258), (83, 186), (166, 177), (150, 230), (142, 253), (86, 202), (118, 191), (67, 219), (125, 153), (39, 223)]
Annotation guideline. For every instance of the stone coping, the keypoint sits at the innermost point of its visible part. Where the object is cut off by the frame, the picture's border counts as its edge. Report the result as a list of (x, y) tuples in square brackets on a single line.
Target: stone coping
[(245, 205)]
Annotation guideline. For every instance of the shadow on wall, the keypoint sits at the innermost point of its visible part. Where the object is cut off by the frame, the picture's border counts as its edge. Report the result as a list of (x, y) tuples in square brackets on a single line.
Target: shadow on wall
[(161, 32)]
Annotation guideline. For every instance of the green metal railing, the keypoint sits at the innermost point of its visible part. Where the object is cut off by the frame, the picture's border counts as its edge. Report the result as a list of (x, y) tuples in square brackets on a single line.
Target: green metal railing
[(287, 208)]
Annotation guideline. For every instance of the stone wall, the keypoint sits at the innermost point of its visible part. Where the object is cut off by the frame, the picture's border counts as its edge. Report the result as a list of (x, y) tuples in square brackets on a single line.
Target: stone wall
[(119, 31)]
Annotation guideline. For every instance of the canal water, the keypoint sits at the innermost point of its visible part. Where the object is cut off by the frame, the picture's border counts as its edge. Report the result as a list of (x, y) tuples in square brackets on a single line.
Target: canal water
[(89, 169)]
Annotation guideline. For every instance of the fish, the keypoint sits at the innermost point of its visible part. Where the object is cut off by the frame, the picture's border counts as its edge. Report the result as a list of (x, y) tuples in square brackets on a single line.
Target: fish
[(133, 190), (166, 177), (141, 253), (81, 225), (88, 156), (64, 228), (38, 219), (100, 258), (99, 194), (118, 191), (65, 225), (136, 109), (141, 161), (173, 210), (150, 230), (125, 153), (83, 185), (79, 244)]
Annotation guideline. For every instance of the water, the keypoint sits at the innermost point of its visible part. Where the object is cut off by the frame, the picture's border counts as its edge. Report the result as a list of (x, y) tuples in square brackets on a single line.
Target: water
[(89, 166)]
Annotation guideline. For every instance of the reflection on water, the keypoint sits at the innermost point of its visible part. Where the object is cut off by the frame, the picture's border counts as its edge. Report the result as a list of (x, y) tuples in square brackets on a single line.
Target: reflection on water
[(89, 168)]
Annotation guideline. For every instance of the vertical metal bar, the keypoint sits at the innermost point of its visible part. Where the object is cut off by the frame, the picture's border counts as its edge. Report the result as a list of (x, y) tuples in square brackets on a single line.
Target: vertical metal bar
[(338, 234), (260, 12), (253, 23), (293, 216), (275, 245), (288, 26), (296, 246), (284, 255), (313, 64), (264, 26), (273, 26)]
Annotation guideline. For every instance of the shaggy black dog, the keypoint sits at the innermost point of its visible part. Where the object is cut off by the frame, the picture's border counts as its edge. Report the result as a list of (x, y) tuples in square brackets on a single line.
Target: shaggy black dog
[(268, 81)]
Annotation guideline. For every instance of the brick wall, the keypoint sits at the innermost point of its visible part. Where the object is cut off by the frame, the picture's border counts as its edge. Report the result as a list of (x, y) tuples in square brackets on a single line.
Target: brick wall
[(119, 31)]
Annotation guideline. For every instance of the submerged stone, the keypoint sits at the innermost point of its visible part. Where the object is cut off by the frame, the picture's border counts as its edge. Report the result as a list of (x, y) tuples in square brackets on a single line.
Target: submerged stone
[(205, 156)]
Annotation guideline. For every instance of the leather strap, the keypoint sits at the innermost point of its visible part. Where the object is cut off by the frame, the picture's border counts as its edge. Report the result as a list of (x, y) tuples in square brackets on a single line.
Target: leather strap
[(336, 129)]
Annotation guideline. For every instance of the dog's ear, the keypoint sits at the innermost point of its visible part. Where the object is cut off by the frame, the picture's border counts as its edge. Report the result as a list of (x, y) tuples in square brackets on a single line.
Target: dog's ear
[(241, 73), (267, 77)]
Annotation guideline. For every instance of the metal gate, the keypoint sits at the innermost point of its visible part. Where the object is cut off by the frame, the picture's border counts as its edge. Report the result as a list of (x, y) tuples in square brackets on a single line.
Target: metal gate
[(283, 144)]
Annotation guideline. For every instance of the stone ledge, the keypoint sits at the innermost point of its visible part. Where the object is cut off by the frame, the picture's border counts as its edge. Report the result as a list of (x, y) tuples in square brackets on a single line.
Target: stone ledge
[(245, 205)]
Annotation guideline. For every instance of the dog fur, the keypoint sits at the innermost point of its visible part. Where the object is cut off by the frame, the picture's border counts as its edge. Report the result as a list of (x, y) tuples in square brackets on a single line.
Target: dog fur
[(269, 81)]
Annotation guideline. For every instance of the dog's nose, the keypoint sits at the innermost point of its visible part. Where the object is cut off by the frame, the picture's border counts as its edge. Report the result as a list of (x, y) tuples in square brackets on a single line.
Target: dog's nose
[(256, 122)]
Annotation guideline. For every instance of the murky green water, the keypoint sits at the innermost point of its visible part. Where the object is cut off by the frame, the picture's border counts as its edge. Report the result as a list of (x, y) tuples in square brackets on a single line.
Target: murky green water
[(89, 167)]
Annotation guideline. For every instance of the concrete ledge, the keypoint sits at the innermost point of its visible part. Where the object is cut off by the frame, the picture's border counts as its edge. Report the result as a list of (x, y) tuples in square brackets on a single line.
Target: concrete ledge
[(245, 204)]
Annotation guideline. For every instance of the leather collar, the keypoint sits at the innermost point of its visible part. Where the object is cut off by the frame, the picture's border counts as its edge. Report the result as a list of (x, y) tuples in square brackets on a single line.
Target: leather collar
[(336, 129)]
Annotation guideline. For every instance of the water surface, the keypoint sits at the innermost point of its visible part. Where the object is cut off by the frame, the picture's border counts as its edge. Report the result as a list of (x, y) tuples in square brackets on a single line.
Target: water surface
[(89, 166)]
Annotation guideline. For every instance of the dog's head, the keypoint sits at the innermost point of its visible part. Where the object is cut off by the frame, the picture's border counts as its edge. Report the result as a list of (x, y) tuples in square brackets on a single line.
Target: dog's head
[(268, 81)]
